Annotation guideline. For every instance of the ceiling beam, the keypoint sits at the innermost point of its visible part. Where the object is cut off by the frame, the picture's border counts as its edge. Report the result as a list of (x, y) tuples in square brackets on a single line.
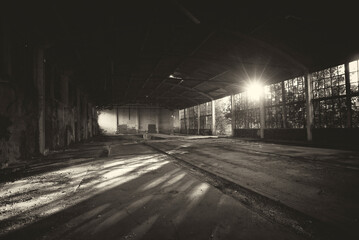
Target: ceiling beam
[(184, 59), (269, 47), (191, 89)]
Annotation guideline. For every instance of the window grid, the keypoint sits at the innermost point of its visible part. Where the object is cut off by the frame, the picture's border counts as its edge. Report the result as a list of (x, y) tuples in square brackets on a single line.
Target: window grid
[(329, 101), (273, 105), (246, 111), (273, 94), (205, 119), (355, 111), (329, 82), (330, 113), (296, 115), (354, 76), (294, 90), (274, 117)]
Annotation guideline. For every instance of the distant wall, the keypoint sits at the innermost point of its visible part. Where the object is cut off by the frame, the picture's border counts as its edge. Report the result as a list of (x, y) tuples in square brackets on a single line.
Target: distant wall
[(107, 121), (138, 119), (147, 116)]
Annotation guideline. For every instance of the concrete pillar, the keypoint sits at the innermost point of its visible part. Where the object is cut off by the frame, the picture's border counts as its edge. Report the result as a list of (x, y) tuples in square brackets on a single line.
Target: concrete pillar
[(233, 120), (284, 117), (117, 122), (158, 119), (198, 118), (78, 117), (85, 117), (309, 106), (90, 119), (185, 120), (262, 112), (40, 79), (348, 98), (213, 118), (138, 119)]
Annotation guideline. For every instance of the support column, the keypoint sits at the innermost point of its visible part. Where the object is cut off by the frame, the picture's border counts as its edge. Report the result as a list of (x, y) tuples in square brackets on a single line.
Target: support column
[(78, 117), (138, 119), (157, 119), (198, 119), (90, 120), (284, 117), (213, 118), (233, 120), (309, 106), (40, 78), (262, 113), (86, 116), (348, 96), (185, 120), (117, 119)]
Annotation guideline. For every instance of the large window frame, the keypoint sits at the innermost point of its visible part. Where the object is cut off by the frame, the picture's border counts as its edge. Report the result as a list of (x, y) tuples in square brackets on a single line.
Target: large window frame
[(329, 91), (295, 102), (247, 112)]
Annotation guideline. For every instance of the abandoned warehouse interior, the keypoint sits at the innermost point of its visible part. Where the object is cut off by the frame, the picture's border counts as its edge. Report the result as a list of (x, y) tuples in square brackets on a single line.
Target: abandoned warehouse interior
[(178, 120)]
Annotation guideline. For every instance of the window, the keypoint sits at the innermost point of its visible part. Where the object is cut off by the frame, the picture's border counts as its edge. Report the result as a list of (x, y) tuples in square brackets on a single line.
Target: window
[(246, 111), (273, 105), (355, 111), (205, 115), (294, 91), (329, 101), (354, 76), (329, 82), (273, 94), (274, 117), (192, 117), (330, 113), (296, 115), (183, 120)]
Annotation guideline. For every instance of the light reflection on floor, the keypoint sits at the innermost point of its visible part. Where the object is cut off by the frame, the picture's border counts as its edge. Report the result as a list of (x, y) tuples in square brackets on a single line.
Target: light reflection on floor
[(35, 197)]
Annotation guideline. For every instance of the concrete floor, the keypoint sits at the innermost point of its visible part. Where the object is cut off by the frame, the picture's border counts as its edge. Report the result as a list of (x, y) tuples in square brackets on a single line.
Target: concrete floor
[(183, 188)]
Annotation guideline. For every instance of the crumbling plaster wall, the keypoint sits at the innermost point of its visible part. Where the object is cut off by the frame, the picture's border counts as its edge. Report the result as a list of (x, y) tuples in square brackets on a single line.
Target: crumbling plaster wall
[(69, 114), (18, 125), (18, 98)]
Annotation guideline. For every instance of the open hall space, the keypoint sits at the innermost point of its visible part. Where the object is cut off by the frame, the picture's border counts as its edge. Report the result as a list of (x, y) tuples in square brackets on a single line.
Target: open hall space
[(178, 119)]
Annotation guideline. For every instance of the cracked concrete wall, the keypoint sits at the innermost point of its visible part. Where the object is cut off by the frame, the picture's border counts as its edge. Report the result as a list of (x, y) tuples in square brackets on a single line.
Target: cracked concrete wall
[(18, 98), (18, 124), (69, 115)]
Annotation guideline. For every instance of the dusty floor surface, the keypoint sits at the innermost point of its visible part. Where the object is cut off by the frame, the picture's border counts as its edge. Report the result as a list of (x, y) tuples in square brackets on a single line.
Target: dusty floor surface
[(182, 188)]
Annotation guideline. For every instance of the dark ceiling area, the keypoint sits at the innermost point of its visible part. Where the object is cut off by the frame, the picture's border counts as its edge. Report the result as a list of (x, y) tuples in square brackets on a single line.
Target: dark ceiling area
[(179, 53)]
